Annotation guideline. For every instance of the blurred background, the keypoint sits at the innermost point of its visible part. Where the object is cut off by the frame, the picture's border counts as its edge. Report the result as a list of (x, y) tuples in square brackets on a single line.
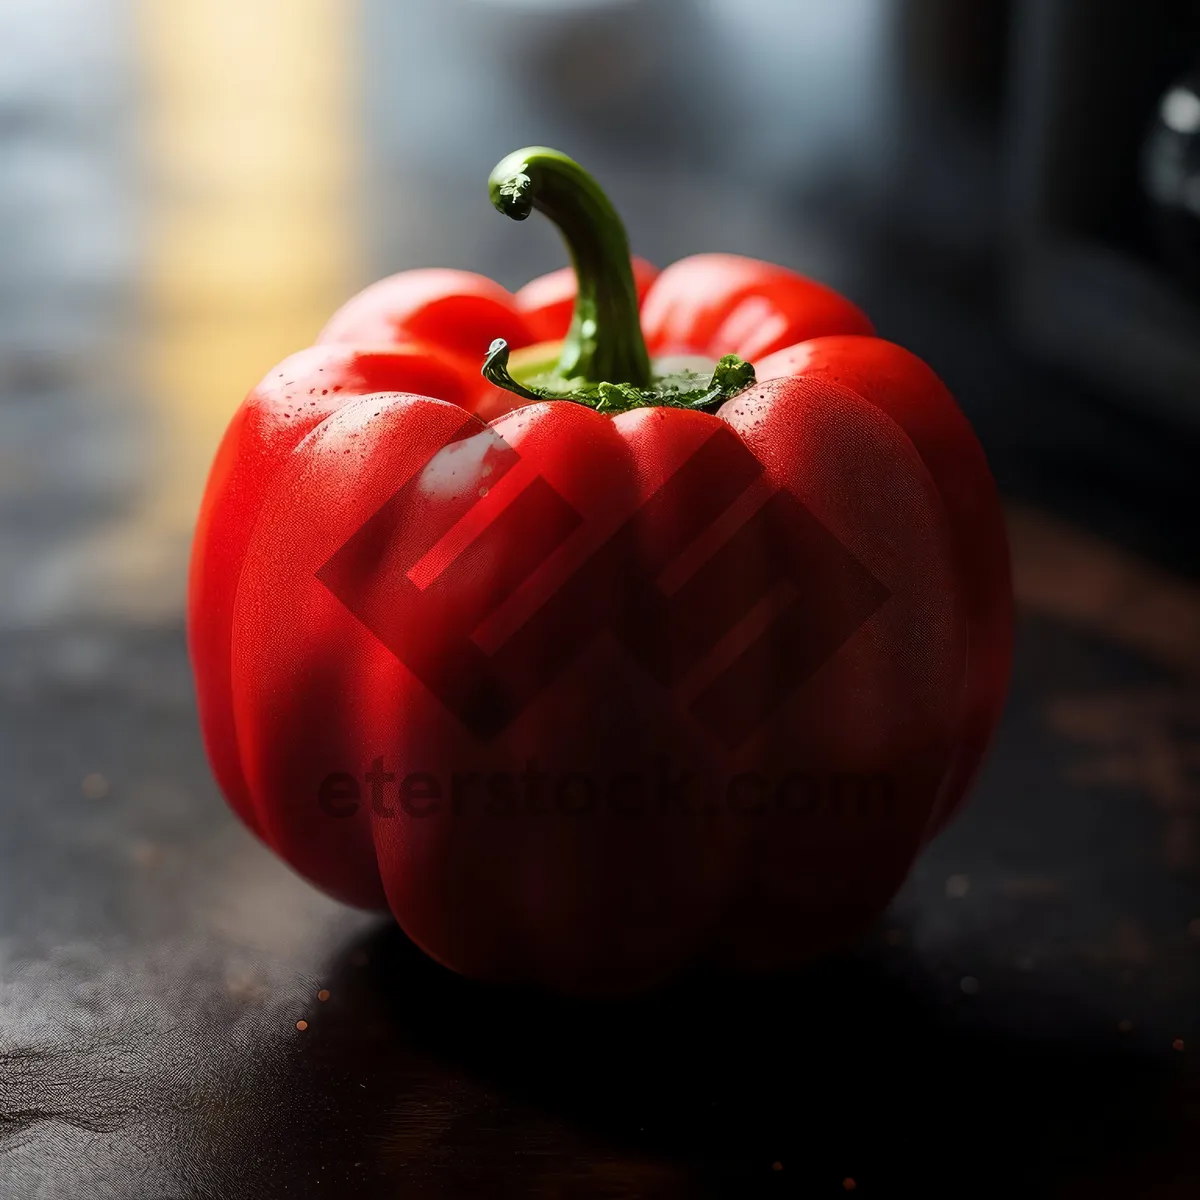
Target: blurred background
[(188, 188)]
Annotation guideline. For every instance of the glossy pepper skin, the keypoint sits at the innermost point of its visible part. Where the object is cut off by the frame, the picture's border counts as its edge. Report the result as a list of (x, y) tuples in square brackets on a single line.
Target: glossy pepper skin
[(623, 817)]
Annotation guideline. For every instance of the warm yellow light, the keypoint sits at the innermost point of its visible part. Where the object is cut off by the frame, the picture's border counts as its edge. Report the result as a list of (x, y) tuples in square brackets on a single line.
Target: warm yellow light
[(250, 158)]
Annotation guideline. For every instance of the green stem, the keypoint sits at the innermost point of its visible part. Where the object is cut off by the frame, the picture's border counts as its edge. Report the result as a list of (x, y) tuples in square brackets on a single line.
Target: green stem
[(495, 371), (685, 389), (604, 343)]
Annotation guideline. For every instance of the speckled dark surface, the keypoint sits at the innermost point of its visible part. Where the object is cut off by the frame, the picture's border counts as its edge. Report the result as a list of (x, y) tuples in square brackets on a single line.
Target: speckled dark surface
[(157, 960)]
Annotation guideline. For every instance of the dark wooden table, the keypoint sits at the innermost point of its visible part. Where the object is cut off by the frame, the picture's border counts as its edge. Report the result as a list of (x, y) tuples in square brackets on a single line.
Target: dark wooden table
[(180, 1016)]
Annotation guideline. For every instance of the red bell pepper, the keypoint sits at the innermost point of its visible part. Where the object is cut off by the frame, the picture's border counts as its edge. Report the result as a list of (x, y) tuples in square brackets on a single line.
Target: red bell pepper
[(671, 638)]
